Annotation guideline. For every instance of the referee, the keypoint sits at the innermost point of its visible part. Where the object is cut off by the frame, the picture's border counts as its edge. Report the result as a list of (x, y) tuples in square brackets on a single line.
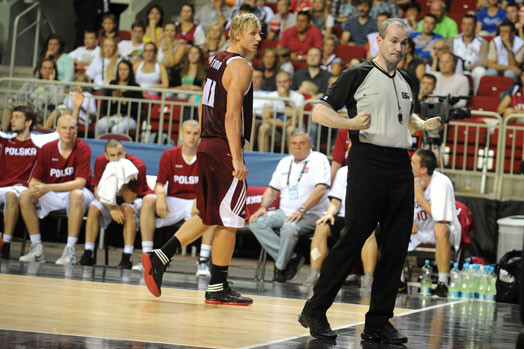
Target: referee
[(380, 181)]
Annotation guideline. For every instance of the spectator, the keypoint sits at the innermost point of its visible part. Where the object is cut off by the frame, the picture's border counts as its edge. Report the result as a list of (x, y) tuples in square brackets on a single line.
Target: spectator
[(372, 45), (284, 57), (54, 48), (83, 55), (215, 11), (282, 20), (444, 26), (109, 29), (425, 39), (412, 65), (340, 152), (356, 29), (512, 13), (382, 6), (41, 96), (56, 185), (448, 82), (472, 48), (342, 10), (412, 13), (308, 89), (513, 102), (267, 9), (303, 199), (149, 73), (301, 5), (313, 72), (354, 61), (170, 52), (190, 76), (426, 87), (257, 11), (330, 62), (154, 23), (439, 47), (215, 41), (321, 17), (279, 113), (502, 54), (300, 38), (132, 49), (489, 17), (258, 93), (189, 33), (121, 115), (102, 69), (519, 26), (269, 65), (125, 203)]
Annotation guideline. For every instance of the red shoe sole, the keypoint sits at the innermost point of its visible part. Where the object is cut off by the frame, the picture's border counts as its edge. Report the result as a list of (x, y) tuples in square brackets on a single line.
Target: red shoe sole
[(150, 281), (224, 303)]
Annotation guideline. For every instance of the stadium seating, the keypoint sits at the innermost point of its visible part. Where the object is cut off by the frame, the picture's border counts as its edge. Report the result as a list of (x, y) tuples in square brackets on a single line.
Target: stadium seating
[(346, 52), (493, 86)]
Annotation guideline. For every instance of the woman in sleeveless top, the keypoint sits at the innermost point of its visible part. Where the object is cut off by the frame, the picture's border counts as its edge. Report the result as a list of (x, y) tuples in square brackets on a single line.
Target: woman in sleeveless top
[(270, 66), (149, 73), (188, 32), (330, 61), (170, 51), (154, 22), (215, 40)]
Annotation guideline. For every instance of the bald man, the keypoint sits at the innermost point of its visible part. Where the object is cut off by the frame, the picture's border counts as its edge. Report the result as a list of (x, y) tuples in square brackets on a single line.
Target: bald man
[(58, 182)]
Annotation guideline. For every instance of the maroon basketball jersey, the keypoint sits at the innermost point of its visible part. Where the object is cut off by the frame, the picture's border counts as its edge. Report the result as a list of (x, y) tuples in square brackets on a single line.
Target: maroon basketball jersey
[(17, 160), (182, 177), (214, 101)]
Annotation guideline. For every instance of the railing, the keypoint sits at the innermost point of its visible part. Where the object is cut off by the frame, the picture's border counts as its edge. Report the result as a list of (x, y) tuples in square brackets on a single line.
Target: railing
[(510, 183)]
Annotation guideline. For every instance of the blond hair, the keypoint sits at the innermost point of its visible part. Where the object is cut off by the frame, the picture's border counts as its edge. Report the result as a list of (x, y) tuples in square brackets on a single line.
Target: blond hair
[(240, 23), (222, 40), (113, 61)]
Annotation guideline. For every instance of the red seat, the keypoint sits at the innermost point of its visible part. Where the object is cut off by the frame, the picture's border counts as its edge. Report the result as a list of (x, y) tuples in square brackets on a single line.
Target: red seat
[(484, 103), (254, 198), (299, 65), (462, 7), (346, 52), (266, 43), (493, 86), (171, 111)]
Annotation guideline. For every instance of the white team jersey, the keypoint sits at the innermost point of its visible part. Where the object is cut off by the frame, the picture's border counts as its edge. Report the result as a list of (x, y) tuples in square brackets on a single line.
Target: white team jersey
[(440, 195), (338, 190)]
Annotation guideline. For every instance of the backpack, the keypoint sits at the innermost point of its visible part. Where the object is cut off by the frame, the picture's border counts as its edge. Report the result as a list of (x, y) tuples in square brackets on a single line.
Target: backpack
[(508, 271)]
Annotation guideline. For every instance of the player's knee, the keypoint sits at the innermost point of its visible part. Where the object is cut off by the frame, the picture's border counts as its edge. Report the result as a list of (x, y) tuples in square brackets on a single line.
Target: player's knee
[(76, 197), (93, 212), (128, 211), (11, 199), (26, 198), (148, 202), (288, 229), (441, 232), (322, 231)]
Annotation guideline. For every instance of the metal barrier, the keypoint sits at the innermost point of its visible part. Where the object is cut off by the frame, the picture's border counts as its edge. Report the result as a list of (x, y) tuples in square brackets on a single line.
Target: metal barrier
[(510, 183)]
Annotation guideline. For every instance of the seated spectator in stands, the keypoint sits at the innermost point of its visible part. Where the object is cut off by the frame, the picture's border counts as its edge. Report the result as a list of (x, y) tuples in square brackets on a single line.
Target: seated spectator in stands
[(111, 204), (54, 48), (489, 17), (300, 38), (340, 152), (425, 39), (103, 68), (258, 103), (58, 182), (42, 97), (109, 29), (190, 76), (321, 17), (154, 23), (313, 72), (188, 32), (170, 51), (303, 200), (503, 55), (132, 49), (284, 58), (356, 29), (279, 114), (282, 20), (426, 87), (120, 116), (330, 62), (412, 12), (472, 48), (83, 55), (519, 26), (269, 65), (448, 82), (444, 25), (215, 11), (412, 65), (19, 154), (149, 73), (512, 13), (215, 41), (383, 6), (513, 102), (342, 10), (372, 45), (87, 108), (439, 47), (257, 11), (268, 9), (329, 226), (308, 89)]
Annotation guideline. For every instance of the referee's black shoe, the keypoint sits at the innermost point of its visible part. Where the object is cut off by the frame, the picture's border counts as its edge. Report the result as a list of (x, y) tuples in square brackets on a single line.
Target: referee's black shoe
[(154, 268), (224, 294), (386, 334), (318, 326)]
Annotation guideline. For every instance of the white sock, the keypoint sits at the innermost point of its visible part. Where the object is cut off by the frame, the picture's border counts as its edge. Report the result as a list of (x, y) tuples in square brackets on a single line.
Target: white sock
[(147, 246), (205, 251), (7, 238), (128, 249), (89, 246), (35, 239), (443, 277), (71, 241)]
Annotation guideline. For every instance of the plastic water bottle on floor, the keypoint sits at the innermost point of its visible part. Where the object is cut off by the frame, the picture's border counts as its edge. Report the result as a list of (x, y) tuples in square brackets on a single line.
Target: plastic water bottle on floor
[(454, 282), (475, 279), (425, 280), (491, 290), (465, 282), (483, 282)]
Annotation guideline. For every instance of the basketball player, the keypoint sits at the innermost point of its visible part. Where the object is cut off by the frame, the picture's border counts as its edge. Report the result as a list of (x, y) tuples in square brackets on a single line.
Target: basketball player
[(58, 182), (225, 118)]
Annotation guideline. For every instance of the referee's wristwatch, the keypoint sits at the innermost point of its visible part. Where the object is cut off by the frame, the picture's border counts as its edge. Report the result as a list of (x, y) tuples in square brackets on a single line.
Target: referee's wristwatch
[(302, 209)]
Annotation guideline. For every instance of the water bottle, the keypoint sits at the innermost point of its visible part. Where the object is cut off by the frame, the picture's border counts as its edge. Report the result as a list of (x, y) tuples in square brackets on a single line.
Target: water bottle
[(491, 290), (465, 282), (425, 280), (454, 282), (475, 278), (483, 282)]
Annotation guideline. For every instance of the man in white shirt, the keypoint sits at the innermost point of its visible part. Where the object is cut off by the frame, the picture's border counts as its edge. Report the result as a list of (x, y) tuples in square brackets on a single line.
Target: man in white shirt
[(448, 82), (132, 49), (302, 180), (282, 20), (83, 55), (502, 54)]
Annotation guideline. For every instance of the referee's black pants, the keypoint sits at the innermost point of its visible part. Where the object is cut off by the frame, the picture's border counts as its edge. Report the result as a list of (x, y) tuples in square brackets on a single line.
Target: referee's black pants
[(380, 190)]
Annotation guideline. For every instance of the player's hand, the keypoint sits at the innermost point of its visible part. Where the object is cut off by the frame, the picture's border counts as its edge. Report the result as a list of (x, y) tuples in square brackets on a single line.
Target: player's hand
[(361, 121), (117, 214), (294, 217), (240, 170), (38, 189), (419, 188), (161, 207), (431, 124), (77, 98), (260, 212), (325, 219)]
